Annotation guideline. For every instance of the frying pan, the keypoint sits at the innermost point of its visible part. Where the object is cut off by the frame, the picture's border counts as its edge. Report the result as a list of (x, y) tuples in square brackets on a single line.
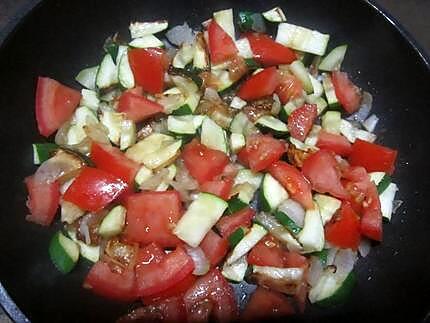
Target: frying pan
[(58, 38)]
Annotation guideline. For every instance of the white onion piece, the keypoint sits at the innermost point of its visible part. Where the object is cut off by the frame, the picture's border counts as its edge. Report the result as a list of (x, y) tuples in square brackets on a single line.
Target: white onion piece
[(181, 34), (344, 261), (97, 132), (315, 271), (84, 229), (294, 211), (331, 254), (58, 167), (211, 95), (364, 110), (154, 181), (364, 247), (370, 123), (201, 262)]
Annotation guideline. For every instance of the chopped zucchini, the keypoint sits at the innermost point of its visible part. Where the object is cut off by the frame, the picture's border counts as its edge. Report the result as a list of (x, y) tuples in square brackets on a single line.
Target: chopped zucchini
[(236, 271), (272, 193), (43, 151), (213, 136), (224, 19), (107, 74), (254, 235), (273, 125), (186, 124), (331, 122), (287, 222), (275, 15), (113, 122), (244, 48), (237, 142), (334, 59), (236, 236), (89, 99), (91, 253), (125, 74), (328, 206), (64, 252), (312, 234), (142, 175), (146, 41), (237, 103), (300, 71), (128, 134), (87, 77), (113, 223), (140, 29), (387, 198), (329, 92), (184, 56)]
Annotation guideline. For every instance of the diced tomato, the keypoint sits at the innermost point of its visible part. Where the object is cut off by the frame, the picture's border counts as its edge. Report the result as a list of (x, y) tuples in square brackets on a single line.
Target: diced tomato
[(289, 88), (261, 151), (268, 52), (93, 189), (211, 295), (136, 90), (322, 170), (113, 160), (295, 260), (371, 221), (158, 277), (348, 94), (335, 143), (344, 230), (55, 104), (265, 305), (230, 223), (148, 66), (43, 200), (294, 182), (221, 187), (177, 290), (202, 162), (221, 46), (170, 310), (137, 107), (268, 252), (104, 282), (151, 216), (301, 120), (152, 253), (260, 85), (214, 247), (373, 157)]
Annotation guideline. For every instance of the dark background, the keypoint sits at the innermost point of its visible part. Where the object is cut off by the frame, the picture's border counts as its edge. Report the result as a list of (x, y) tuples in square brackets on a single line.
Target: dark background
[(413, 15)]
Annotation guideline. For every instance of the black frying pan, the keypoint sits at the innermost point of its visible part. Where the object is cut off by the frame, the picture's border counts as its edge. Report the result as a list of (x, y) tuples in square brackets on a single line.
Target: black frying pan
[(58, 38)]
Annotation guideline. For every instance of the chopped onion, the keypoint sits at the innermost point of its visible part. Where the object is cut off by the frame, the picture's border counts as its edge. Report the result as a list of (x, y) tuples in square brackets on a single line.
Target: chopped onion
[(278, 231), (201, 262), (284, 280), (211, 95), (276, 106), (344, 261), (181, 34), (70, 212), (364, 247), (331, 254), (370, 123), (364, 110), (154, 181), (97, 132), (84, 229), (315, 271), (294, 211)]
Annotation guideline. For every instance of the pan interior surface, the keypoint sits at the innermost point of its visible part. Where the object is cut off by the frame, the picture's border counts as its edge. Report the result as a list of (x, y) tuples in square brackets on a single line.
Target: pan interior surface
[(59, 38)]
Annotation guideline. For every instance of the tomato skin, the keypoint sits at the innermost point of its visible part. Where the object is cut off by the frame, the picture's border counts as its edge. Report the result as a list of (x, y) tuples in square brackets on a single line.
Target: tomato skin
[(301, 120), (158, 277), (294, 182), (214, 247), (268, 52), (221, 187), (94, 188), (261, 151), (138, 108), (148, 66), (259, 85), (348, 94), (117, 286), (267, 252), (202, 162), (322, 171), (151, 217), (335, 143), (289, 88), (113, 160), (42, 201), (55, 104), (211, 295), (221, 46), (230, 223), (373, 157), (177, 290), (344, 230), (266, 304)]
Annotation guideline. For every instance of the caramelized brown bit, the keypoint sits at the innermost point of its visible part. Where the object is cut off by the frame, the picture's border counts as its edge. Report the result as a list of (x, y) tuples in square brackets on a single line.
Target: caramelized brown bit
[(257, 109), (296, 156)]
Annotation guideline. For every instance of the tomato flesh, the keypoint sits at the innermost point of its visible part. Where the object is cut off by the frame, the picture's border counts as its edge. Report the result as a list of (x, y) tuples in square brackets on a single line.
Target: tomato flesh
[(102, 281), (301, 120), (335, 143), (267, 252), (261, 151), (55, 104), (259, 85), (348, 94), (214, 247), (230, 223), (169, 271), (148, 66), (212, 289), (373, 157), (202, 162), (113, 160), (322, 170), (221, 188), (294, 182), (268, 52), (93, 189), (177, 290), (43, 200), (151, 216), (221, 46), (344, 230), (138, 108), (289, 88)]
